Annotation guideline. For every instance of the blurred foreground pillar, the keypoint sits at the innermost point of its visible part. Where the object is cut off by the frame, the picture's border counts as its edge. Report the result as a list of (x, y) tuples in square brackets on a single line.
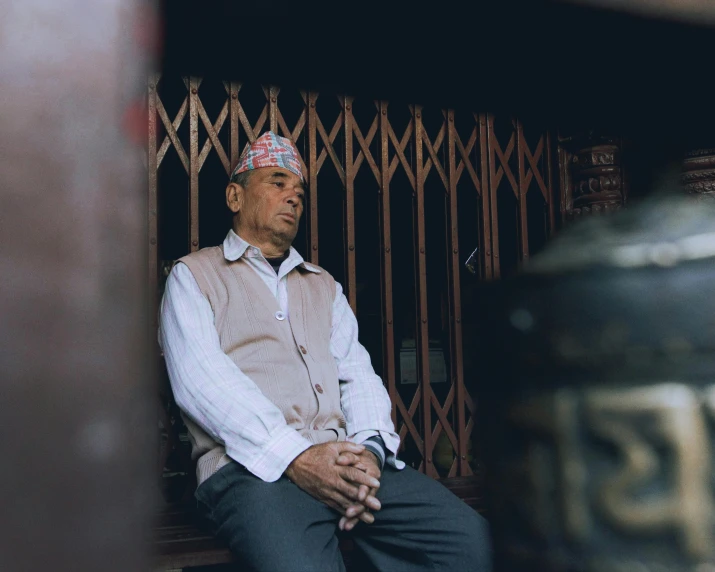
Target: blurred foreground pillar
[(77, 443), (601, 402)]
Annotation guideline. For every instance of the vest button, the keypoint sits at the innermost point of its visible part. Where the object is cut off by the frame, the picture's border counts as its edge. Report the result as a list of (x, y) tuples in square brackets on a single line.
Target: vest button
[(280, 316), (318, 388), (302, 349)]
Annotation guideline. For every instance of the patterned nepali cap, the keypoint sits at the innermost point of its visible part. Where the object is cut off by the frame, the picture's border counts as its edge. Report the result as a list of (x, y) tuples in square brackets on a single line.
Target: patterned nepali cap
[(270, 150)]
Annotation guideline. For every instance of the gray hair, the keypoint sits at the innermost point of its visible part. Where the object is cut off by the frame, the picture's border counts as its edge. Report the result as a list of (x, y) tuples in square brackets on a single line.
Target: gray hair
[(241, 178)]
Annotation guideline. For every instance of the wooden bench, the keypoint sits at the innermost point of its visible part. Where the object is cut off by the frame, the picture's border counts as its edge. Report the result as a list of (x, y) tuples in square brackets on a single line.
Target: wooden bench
[(181, 544)]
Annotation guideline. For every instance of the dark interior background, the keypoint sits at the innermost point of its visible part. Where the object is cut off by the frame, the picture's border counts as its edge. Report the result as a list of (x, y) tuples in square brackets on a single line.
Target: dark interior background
[(551, 64)]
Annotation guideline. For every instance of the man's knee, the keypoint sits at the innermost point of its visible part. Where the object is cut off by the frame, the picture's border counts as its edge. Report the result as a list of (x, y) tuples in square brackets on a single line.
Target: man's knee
[(466, 539), (295, 559), (464, 543), (477, 542)]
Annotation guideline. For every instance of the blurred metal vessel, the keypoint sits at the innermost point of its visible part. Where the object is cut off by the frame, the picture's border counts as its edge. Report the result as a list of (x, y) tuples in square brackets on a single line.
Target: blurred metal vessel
[(599, 405)]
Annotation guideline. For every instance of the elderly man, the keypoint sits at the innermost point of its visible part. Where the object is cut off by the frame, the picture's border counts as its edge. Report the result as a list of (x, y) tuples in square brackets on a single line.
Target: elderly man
[(289, 423)]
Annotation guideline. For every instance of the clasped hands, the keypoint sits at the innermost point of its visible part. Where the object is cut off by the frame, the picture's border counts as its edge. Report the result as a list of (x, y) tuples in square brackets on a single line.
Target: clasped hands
[(343, 475)]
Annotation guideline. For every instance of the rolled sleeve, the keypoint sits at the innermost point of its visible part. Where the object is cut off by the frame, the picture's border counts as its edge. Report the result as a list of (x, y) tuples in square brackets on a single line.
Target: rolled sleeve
[(363, 397)]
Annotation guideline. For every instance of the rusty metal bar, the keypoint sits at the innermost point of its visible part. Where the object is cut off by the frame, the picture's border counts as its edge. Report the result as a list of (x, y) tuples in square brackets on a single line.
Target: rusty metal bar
[(213, 141), (522, 191), (455, 302), (312, 135), (153, 206), (273, 108), (172, 138), (550, 183), (485, 194), (234, 148), (349, 204), (566, 193), (492, 192), (388, 333), (421, 283), (194, 83)]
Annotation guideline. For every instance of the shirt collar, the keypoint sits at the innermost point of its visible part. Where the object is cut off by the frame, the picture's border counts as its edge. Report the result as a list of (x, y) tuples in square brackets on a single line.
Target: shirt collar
[(234, 247)]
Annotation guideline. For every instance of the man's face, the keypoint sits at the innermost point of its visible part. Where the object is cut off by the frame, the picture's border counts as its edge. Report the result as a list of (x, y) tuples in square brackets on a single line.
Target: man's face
[(272, 205)]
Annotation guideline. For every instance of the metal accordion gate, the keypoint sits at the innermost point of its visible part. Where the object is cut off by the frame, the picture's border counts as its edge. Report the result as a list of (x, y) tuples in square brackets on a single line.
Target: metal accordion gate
[(399, 196)]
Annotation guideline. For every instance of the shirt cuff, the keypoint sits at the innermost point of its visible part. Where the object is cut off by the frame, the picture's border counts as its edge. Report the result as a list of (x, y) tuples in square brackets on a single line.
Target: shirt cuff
[(390, 440), (376, 446), (276, 454)]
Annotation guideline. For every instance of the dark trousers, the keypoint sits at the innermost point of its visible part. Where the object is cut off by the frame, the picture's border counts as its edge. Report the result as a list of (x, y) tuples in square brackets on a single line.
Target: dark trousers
[(277, 527)]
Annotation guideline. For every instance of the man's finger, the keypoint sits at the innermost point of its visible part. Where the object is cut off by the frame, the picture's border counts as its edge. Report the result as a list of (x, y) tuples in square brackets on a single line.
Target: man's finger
[(347, 458), (347, 492), (359, 477), (354, 510), (338, 503), (348, 447), (372, 503), (365, 516), (363, 492), (350, 524), (358, 512)]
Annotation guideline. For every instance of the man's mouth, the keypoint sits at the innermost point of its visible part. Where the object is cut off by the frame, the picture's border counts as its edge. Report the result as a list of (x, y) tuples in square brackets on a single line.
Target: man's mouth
[(290, 216)]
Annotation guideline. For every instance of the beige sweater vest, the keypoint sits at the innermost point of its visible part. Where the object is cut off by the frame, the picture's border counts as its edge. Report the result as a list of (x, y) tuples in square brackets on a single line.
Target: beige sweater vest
[(289, 360)]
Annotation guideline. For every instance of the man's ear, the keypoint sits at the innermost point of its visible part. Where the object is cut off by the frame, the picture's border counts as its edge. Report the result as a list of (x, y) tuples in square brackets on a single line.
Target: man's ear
[(234, 197)]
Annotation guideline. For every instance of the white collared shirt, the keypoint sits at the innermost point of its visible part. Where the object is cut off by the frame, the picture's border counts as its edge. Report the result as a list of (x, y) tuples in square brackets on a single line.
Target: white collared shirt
[(221, 399)]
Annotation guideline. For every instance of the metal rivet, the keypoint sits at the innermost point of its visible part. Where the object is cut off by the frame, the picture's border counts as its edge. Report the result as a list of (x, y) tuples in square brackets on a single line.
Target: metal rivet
[(454, 250), (273, 99), (315, 247), (451, 118), (195, 242), (459, 320), (153, 241), (422, 250), (424, 320), (496, 256), (387, 249), (464, 456), (384, 112), (489, 253), (351, 247), (429, 460), (347, 107), (418, 115), (312, 104), (234, 96), (389, 321), (194, 91)]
